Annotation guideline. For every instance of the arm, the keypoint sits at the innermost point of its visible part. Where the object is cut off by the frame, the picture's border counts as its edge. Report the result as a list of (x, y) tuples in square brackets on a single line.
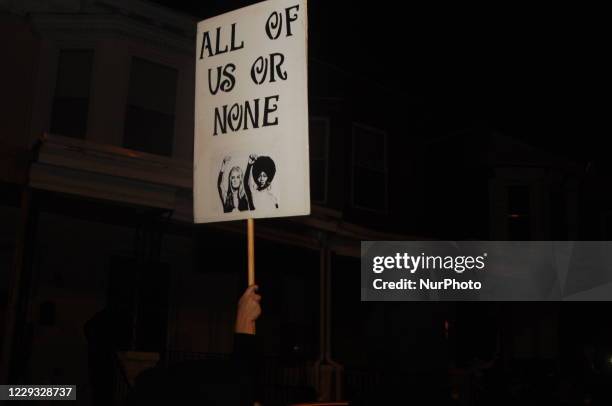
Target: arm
[(245, 354), (219, 187), (220, 179), (248, 311), (208, 380), (247, 180)]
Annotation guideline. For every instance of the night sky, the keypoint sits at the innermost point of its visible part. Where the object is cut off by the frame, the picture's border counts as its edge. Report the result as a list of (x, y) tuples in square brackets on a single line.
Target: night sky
[(533, 73)]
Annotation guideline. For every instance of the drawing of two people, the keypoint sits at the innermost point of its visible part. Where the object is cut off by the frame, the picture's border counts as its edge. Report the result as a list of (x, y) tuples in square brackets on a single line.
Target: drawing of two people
[(251, 191)]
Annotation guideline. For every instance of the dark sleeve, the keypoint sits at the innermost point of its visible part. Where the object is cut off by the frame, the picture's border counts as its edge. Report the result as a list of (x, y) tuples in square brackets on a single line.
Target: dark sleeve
[(244, 345), (216, 381), (248, 360), (247, 186)]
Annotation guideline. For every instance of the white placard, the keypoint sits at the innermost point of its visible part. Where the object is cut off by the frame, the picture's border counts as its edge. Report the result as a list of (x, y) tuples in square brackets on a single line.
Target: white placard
[(251, 114)]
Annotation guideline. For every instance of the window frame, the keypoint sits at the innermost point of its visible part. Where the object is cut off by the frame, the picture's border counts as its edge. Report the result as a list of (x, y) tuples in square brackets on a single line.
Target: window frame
[(166, 63), (54, 64)]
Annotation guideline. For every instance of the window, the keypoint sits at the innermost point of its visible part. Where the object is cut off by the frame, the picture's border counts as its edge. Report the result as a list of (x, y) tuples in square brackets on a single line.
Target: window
[(369, 168), (71, 100), (318, 142), (149, 116), (519, 204)]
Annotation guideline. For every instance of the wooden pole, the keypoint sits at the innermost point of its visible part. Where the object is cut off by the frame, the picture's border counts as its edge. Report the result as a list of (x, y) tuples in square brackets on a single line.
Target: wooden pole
[(251, 250), (251, 254)]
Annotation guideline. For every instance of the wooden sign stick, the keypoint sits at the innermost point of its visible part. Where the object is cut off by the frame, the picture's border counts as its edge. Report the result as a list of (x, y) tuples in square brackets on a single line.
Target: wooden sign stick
[(251, 254), (251, 250), (251, 261)]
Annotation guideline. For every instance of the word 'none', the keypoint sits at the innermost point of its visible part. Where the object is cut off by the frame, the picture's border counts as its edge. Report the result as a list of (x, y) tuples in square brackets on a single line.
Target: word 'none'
[(238, 116)]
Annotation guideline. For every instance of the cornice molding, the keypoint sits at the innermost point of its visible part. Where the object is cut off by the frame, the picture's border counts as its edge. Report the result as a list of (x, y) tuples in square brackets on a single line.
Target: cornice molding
[(68, 27)]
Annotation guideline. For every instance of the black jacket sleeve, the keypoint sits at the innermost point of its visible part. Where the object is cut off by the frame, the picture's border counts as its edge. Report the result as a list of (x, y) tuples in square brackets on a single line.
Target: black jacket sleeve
[(216, 381), (247, 361)]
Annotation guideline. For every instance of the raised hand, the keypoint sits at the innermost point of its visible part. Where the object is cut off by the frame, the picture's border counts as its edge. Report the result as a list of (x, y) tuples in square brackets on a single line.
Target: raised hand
[(225, 163), (248, 311)]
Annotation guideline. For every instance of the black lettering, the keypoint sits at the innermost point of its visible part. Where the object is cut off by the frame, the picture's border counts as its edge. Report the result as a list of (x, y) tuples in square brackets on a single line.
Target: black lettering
[(230, 79), (274, 25), (291, 18), (214, 90), (205, 45), (221, 120), (225, 78), (269, 108), (277, 66), (218, 43), (259, 70), (233, 41), (240, 115), (235, 117), (252, 115)]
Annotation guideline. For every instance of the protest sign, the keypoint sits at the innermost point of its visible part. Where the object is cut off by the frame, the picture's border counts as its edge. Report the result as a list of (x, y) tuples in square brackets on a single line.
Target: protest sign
[(251, 114)]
